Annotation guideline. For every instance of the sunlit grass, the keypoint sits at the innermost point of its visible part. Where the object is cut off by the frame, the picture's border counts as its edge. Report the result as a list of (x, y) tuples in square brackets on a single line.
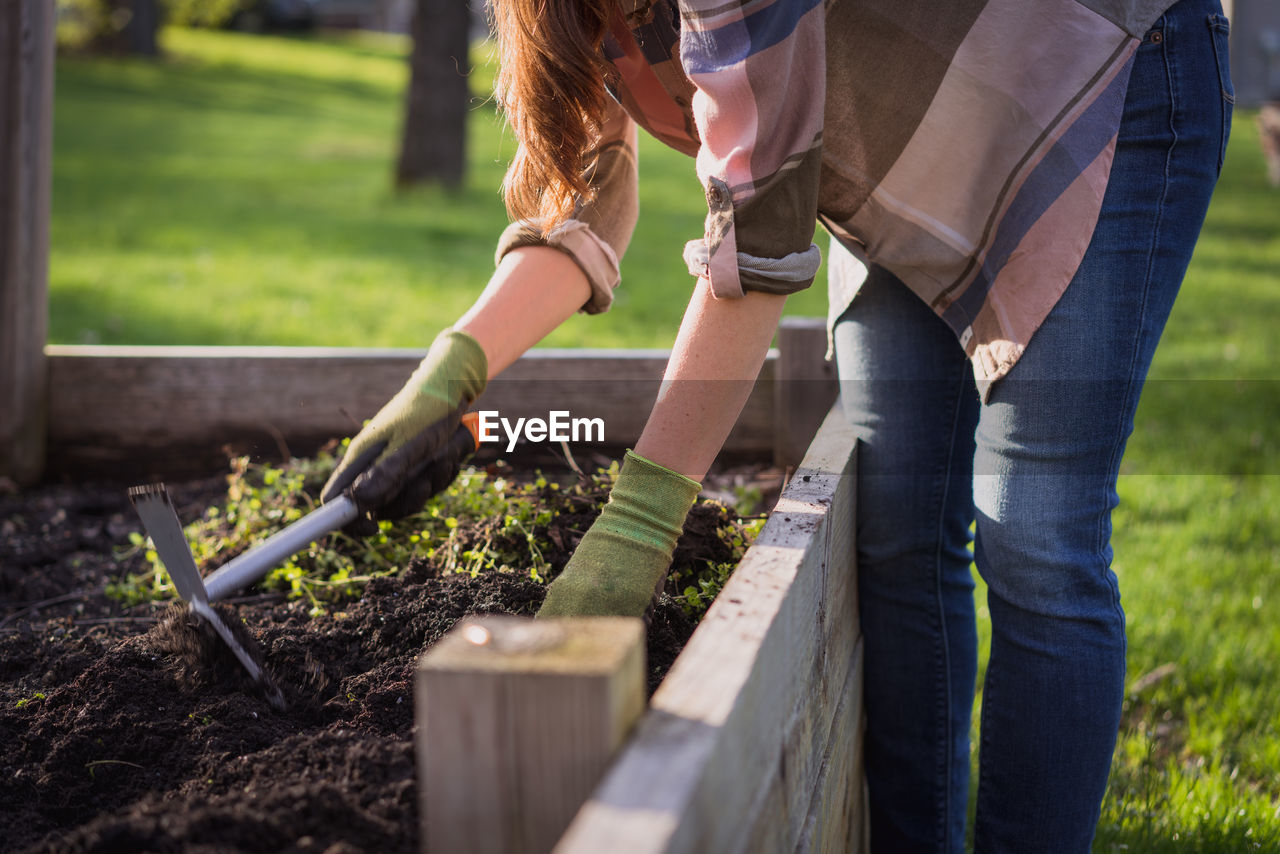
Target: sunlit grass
[(239, 192)]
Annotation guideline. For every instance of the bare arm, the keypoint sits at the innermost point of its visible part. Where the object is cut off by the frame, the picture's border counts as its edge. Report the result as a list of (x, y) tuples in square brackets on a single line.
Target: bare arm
[(624, 556), (533, 291), (717, 357)]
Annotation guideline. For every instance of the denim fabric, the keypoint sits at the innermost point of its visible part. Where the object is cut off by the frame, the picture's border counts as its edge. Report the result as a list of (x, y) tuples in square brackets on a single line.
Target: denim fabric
[(1034, 470)]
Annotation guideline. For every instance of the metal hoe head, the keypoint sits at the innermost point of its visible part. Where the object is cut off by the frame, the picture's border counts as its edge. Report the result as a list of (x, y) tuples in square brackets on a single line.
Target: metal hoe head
[(165, 529), (161, 521), (159, 517)]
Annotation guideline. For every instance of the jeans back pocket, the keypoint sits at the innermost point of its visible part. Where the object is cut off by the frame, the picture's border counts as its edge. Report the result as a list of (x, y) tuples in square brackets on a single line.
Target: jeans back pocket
[(1220, 31)]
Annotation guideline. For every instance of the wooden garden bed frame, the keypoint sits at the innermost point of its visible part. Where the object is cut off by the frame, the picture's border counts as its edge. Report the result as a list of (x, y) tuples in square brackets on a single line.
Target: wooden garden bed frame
[(26, 153), (169, 411), (752, 743)]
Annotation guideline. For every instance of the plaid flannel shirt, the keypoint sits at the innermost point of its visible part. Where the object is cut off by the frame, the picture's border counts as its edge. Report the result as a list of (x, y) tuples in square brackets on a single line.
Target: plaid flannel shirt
[(964, 146)]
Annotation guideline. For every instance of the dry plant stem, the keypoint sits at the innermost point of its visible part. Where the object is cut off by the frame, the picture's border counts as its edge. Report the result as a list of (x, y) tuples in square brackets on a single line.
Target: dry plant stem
[(714, 364), (533, 291), (34, 607)]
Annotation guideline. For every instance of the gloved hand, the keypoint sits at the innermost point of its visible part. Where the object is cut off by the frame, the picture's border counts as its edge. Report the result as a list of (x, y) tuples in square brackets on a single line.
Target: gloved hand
[(409, 451), (623, 559)]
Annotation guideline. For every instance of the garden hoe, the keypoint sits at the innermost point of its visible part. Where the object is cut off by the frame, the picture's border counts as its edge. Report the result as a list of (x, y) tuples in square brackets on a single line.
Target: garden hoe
[(165, 529)]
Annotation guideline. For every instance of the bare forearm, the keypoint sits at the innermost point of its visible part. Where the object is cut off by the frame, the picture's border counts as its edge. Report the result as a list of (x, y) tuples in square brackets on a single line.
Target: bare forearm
[(713, 367), (533, 291)]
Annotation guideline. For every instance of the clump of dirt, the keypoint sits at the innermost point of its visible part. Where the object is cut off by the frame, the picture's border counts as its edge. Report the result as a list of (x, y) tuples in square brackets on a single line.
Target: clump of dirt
[(131, 729), (203, 656)]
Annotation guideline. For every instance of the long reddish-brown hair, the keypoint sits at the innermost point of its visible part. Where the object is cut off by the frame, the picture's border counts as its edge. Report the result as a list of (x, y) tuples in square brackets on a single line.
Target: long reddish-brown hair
[(551, 86)]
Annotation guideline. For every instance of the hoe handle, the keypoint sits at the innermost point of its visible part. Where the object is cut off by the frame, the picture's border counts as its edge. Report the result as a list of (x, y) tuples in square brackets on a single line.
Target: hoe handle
[(244, 570)]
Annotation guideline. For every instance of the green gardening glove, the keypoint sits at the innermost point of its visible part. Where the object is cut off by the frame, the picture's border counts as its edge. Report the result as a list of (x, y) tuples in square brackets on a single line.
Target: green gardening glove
[(391, 465), (623, 559)]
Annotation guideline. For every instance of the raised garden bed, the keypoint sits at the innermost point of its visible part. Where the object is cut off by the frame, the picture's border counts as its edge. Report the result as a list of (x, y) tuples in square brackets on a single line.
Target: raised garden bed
[(118, 733), (111, 742), (751, 743)]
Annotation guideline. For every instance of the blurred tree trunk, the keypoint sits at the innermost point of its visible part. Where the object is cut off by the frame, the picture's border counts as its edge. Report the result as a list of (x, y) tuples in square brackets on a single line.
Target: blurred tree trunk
[(126, 27), (433, 147), (141, 30)]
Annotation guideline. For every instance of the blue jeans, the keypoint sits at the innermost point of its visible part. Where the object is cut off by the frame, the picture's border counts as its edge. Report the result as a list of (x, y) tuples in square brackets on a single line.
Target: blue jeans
[(1034, 470)]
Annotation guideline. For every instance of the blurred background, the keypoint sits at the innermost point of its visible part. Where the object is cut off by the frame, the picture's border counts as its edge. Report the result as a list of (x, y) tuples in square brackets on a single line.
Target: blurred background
[(295, 172)]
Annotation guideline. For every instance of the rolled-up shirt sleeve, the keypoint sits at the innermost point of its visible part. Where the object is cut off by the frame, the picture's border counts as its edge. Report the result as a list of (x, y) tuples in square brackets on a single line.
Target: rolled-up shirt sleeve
[(597, 234), (759, 72)]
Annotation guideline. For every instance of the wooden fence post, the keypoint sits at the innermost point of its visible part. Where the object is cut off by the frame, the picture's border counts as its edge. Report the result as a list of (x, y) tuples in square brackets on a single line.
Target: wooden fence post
[(26, 132), (517, 721), (804, 387)]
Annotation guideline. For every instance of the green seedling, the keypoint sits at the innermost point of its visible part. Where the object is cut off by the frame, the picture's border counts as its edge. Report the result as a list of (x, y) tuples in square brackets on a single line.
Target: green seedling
[(25, 701), (481, 523)]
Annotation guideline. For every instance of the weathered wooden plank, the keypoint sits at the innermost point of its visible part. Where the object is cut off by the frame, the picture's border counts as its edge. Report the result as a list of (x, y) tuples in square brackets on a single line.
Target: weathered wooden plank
[(805, 386), (26, 132), (801, 818), (174, 408), (753, 707), (839, 801), (517, 721)]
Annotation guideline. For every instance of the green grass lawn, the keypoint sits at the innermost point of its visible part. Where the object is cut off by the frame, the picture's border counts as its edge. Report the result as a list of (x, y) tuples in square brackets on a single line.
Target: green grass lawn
[(239, 192), (1197, 547)]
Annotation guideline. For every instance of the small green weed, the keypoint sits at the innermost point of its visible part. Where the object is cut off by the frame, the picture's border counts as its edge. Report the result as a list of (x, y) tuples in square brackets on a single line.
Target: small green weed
[(697, 598), (702, 582), (748, 499), (26, 701), (483, 522)]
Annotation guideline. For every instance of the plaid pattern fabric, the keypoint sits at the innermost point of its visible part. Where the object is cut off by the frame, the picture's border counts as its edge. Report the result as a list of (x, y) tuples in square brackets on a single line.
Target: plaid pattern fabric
[(963, 145)]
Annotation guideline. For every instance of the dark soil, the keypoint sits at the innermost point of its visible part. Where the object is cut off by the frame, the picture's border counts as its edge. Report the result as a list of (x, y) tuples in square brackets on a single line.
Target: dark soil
[(127, 730)]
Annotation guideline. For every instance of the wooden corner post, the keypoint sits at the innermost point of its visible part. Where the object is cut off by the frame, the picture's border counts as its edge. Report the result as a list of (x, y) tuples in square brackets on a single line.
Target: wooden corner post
[(26, 132), (516, 723), (804, 387)]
